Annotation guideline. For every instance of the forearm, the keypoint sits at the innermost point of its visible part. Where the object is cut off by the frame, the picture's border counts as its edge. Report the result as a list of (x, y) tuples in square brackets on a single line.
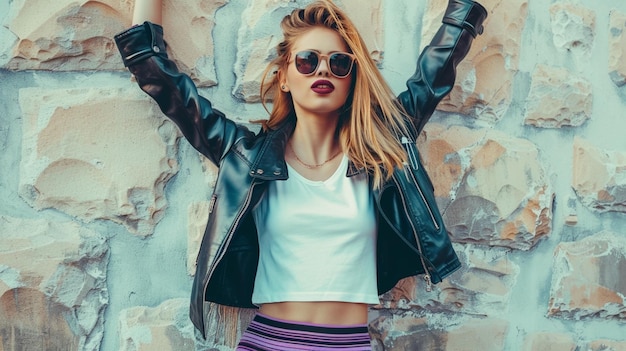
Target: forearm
[(436, 67), (207, 129), (147, 10)]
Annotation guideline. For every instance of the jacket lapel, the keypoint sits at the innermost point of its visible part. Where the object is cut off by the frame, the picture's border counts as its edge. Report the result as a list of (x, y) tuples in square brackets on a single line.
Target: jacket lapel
[(270, 164)]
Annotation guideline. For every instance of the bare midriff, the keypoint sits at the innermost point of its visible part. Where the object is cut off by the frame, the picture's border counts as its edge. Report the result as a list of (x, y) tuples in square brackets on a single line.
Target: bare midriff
[(322, 312)]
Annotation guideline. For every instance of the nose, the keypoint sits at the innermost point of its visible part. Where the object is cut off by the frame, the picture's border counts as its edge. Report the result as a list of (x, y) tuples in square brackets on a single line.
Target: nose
[(323, 69)]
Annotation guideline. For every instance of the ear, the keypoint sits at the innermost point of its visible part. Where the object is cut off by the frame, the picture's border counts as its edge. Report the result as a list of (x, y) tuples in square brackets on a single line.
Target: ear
[(282, 81)]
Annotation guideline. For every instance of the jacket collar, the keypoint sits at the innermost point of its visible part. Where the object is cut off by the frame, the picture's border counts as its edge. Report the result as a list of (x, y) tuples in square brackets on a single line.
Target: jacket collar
[(270, 164)]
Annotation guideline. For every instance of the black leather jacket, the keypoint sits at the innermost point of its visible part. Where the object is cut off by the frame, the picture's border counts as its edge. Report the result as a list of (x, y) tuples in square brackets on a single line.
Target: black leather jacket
[(412, 238)]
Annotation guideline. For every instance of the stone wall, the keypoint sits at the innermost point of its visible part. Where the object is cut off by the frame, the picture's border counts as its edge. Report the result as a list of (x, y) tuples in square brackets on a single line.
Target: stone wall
[(103, 204)]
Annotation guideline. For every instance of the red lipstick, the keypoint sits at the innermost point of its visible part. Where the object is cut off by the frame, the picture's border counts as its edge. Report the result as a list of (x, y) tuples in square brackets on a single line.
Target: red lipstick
[(323, 87)]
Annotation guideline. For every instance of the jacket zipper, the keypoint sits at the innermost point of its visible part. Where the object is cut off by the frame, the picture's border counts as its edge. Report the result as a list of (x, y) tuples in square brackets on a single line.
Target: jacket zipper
[(212, 203), (132, 56), (408, 144), (229, 236), (417, 240), (409, 147)]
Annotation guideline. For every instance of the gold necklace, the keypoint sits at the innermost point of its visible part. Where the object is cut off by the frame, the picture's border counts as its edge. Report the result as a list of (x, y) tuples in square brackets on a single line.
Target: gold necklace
[(312, 166)]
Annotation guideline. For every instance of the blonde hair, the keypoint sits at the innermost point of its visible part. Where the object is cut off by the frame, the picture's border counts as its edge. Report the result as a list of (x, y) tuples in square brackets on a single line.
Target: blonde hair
[(371, 120)]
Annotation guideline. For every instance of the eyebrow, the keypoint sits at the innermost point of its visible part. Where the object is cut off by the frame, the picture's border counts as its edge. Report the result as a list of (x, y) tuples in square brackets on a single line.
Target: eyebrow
[(329, 52)]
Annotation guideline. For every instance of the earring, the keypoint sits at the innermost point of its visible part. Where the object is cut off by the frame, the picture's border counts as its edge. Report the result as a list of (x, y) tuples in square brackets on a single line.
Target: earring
[(283, 87)]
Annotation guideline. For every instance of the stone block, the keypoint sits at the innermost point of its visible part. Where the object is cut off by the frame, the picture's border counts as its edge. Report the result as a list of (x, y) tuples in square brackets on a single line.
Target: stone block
[(557, 99), (406, 331), (617, 48), (165, 328), (197, 221), (78, 35), (52, 285), (588, 279), (487, 334), (68, 35), (97, 154), (482, 285), (573, 28), (483, 87), (599, 178), (188, 26), (209, 170), (416, 331), (8, 40), (260, 33), (549, 342), (198, 217), (491, 188), (606, 345)]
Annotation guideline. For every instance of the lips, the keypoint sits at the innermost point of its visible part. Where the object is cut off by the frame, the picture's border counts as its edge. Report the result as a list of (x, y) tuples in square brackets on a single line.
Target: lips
[(323, 87)]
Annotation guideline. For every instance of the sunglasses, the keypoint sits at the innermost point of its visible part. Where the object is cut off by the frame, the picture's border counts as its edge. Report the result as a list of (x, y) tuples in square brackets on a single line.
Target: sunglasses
[(339, 63)]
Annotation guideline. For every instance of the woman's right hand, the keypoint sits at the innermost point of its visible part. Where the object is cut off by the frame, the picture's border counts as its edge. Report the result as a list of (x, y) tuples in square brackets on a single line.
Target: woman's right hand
[(147, 10)]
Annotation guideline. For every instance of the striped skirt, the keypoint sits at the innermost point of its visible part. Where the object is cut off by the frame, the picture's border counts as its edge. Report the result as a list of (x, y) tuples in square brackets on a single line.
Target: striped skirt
[(270, 334)]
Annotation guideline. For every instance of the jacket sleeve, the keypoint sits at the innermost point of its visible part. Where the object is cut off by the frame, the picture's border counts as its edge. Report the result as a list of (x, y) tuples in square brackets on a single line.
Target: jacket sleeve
[(143, 51), (436, 65)]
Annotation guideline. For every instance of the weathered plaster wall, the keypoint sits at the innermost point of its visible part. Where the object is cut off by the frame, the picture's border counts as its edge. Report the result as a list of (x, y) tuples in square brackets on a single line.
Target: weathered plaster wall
[(103, 204)]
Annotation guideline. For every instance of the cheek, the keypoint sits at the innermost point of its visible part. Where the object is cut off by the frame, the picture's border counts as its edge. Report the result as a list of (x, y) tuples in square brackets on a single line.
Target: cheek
[(293, 77), (295, 81), (345, 87)]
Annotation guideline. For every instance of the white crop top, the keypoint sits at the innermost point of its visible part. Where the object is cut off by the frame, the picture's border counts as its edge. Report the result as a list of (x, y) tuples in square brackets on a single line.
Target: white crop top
[(317, 240)]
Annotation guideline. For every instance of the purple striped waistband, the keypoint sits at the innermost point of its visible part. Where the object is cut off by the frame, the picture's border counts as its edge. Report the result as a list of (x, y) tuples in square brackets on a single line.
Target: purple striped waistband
[(267, 333)]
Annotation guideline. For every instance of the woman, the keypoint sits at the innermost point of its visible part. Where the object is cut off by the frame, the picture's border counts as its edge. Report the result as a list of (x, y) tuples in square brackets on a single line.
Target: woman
[(328, 206)]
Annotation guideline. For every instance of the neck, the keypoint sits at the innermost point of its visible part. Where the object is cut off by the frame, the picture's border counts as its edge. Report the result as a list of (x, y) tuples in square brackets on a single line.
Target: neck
[(315, 140)]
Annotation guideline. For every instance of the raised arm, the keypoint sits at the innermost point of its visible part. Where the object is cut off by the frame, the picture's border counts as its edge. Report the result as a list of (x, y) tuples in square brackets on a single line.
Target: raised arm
[(143, 51), (148, 10), (436, 65)]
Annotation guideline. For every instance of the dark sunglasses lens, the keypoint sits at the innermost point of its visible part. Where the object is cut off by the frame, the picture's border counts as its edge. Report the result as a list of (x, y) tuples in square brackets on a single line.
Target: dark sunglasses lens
[(306, 62), (340, 64)]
